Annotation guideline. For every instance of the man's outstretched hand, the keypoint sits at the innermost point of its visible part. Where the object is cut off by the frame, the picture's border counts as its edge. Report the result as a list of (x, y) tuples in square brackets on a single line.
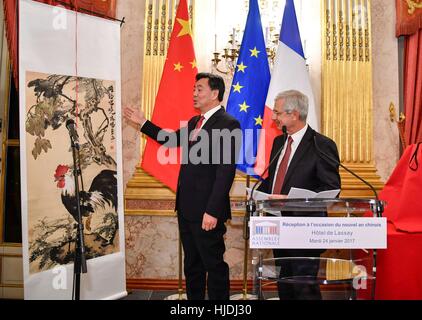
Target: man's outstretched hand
[(134, 115)]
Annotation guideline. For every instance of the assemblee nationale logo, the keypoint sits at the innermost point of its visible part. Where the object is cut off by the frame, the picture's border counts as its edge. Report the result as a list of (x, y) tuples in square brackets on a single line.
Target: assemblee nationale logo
[(265, 233)]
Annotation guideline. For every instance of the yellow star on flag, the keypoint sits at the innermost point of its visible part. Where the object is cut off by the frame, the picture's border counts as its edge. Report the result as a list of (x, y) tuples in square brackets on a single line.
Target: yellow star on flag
[(244, 107), (178, 67), (193, 63), (254, 52), (259, 121), (237, 87), (185, 27), (241, 67)]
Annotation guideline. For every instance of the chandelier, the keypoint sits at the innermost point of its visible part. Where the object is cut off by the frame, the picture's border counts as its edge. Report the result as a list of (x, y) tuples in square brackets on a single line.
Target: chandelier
[(224, 61)]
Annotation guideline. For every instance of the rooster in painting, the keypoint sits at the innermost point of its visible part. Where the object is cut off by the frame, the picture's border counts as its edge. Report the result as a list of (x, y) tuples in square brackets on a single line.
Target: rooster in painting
[(101, 195)]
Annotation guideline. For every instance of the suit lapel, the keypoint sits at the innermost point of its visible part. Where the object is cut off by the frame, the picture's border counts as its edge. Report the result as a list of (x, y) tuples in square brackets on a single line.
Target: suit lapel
[(210, 122), (192, 123), (208, 125), (300, 152)]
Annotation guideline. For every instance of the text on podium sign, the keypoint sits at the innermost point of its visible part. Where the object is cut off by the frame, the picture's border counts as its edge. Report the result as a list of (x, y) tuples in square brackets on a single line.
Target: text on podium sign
[(318, 233)]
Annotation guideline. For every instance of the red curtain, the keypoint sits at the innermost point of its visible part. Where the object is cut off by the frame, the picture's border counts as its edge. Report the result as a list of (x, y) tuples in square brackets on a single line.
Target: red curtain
[(97, 7), (408, 17), (409, 25), (11, 25), (413, 88)]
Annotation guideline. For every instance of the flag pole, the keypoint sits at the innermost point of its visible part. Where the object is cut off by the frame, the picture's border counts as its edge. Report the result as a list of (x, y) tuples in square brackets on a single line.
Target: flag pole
[(246, 103), (244, 295), (245, 261), (180, 289)]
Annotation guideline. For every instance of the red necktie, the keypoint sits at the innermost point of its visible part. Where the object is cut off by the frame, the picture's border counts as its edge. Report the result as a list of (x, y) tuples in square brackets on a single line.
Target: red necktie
[(281, 173), (197, 128)]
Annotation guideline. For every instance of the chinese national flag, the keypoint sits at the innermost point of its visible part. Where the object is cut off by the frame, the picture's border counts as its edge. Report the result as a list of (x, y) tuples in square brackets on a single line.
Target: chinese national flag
[(174, 100)]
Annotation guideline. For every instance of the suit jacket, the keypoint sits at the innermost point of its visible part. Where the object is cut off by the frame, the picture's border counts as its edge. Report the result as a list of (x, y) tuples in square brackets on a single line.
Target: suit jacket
[(204, 186), (307, 169)]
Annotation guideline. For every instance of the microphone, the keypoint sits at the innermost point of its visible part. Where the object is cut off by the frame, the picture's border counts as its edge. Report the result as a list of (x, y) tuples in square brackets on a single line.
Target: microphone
[(70, 125), (379, 206), (250, 204)]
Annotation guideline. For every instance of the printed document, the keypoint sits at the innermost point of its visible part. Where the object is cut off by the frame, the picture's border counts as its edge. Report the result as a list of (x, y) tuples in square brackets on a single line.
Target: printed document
[(298, 193)]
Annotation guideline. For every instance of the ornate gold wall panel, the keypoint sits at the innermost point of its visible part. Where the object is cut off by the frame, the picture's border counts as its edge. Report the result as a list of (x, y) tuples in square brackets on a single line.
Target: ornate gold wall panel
[(147, 196), (347, 99)]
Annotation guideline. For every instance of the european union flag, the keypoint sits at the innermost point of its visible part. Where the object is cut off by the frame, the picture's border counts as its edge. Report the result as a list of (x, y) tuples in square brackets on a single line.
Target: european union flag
[(249, 88)]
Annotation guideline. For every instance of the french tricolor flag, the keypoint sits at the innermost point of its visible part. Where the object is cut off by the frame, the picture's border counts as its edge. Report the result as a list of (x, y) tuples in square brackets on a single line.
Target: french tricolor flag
[(289, 73)]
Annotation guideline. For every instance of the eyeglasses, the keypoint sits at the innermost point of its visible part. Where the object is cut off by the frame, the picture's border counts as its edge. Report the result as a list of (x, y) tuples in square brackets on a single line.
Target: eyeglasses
[(278, 113)]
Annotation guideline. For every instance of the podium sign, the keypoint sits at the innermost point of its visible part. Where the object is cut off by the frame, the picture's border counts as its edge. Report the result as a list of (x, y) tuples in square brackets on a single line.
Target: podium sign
[(318, 233)]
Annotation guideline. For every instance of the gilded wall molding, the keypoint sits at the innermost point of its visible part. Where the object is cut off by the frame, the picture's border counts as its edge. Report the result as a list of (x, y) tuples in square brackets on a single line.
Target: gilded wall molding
[(347, 97), (147, 196)]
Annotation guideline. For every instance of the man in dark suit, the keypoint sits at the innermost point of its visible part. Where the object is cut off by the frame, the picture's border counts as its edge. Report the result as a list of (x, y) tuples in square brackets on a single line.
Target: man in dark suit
[(205, 179), (300, 165)]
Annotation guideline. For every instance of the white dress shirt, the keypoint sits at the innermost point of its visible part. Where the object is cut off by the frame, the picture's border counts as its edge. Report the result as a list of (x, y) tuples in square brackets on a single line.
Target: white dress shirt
[(209, 114)]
